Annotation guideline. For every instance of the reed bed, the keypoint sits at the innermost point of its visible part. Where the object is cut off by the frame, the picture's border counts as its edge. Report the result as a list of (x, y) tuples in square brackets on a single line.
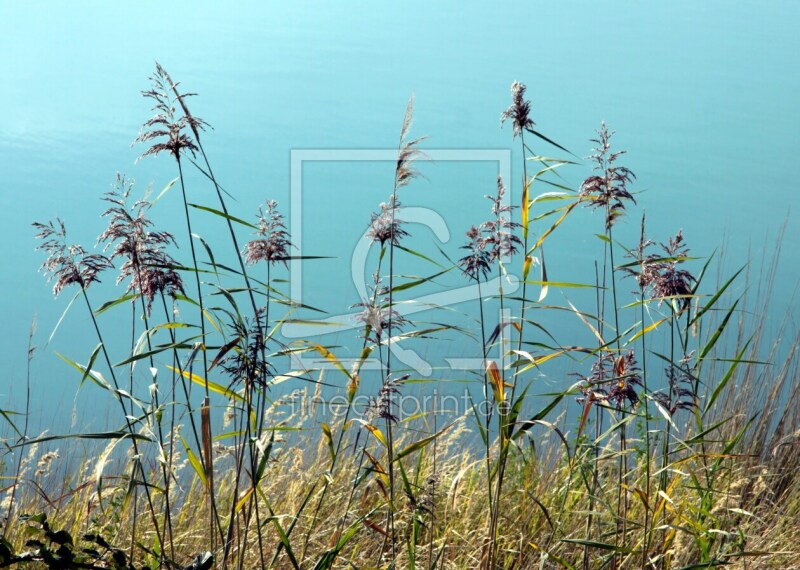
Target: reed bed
[(674, 443)]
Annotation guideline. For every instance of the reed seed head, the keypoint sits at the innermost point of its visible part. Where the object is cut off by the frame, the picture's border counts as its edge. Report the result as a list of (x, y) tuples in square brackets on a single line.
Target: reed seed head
[(67, 264), (478, 261), (273, 244), (166, 129), (129, 231), (609, 188), (409, 151), (385, 226), (500, 239), (519, 111)]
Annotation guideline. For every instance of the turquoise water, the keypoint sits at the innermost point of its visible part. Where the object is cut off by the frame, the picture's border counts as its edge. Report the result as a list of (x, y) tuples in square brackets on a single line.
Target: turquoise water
[(703, 95)]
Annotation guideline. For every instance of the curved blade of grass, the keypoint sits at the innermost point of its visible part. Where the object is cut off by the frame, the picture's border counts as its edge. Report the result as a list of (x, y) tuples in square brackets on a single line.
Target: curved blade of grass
[(552, 228), (524, 210), (109, 304), (195, 463), (418, 254), (88, 372), (565, 284), (61, 318), (420, 281), (154, 352), (213, 386), (96, 435), (596, 544), (417, 445), (329, 356), (329, 556), (163, 191), (717, 333), (725, 379), (715, 297), (374, 431), (548, 140), (647, 329), (223, 351), (222, 214), (545, 286)]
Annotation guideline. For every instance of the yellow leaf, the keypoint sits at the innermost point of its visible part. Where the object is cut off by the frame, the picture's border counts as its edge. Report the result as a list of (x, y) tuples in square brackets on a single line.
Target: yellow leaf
[(525, 209), (526, 267), (243, 500), (213, 386), (374, 431), (646, 330), (496, 381)]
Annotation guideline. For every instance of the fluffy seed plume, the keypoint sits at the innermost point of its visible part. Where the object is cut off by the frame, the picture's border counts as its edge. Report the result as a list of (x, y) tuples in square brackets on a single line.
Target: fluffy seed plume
[(273, 244), (609, 188), (409, 151), (477, 262), (129, 232), (500, 238), (519, 111), (166, 129), (67, 264), (385, 226)]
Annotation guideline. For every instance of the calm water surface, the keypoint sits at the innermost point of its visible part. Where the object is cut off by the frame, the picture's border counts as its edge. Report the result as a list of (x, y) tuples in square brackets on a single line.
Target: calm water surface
[(703, 95)]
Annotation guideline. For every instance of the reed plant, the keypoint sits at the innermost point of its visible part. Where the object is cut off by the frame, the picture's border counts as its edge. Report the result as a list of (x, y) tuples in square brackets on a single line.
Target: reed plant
[(677, 446)]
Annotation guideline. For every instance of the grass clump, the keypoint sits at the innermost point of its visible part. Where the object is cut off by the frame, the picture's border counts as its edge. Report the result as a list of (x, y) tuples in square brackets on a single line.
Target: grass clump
[(675, 447)]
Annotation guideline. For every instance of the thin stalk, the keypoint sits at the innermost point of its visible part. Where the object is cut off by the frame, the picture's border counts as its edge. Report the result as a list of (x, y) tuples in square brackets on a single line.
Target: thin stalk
[(348, 411), (137, 460), (214, 514), (486, 395), (24, 434), (646, 544)]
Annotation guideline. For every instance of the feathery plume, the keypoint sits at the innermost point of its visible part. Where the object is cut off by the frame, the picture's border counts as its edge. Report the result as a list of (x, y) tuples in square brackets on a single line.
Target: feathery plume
[(519, 111), (129, 231), (477, 262), (385, 225), (67, 264), (273, 245), (609, 189), (409, 151), (500, 238), (166, 127)]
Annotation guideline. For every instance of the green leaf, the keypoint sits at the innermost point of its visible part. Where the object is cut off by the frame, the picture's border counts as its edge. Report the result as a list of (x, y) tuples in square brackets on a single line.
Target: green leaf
[(725, 379), (108, 304), (715, 297), (329, 356), (195, 463), (596, 544), (213, 386), (61, 318), (223, 215), (96, 435), (163, 191), (155, 351), (715, 337), (418, 254), (552, 228), (416, 282), (87, 372), (417, 445)]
